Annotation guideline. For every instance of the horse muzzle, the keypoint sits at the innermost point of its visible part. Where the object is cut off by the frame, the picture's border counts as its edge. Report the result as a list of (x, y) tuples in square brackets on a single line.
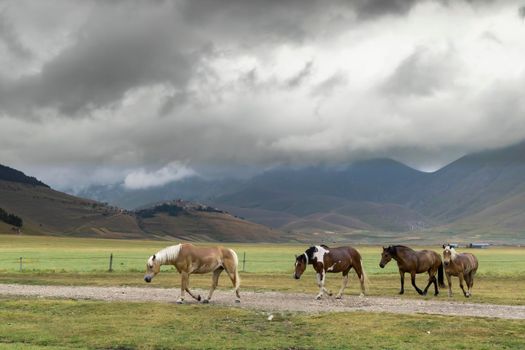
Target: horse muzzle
[(381, 265), (147, 279), (446, 263), (296, 276)]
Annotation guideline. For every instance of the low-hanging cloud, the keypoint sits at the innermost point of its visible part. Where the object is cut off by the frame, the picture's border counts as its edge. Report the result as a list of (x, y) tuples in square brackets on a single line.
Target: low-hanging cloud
[(142, 179)]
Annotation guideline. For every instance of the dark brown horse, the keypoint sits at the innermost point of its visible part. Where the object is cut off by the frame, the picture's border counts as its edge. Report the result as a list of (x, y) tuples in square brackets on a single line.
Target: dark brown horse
[(325, 259), (414, 262), (463, 265)]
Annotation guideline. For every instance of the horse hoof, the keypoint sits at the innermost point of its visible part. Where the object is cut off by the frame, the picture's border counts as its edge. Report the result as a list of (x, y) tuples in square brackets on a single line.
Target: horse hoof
[(318, 297), (206, 301), (330, 294), (199, 297), (339, 297), (402, 292), (179, 302), (238, 301), (436, 294)]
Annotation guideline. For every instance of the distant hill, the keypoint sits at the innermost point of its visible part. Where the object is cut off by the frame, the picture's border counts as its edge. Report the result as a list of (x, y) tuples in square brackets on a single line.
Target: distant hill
[(45, 211), (479, 196)]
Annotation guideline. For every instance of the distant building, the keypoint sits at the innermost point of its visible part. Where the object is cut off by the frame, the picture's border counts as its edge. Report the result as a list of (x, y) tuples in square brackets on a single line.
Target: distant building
[(479, 245)]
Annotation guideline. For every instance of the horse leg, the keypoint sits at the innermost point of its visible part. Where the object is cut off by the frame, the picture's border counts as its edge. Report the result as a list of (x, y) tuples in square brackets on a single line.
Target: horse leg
[(413, 279), (449, 282), (183, 282), (436, 289), (186, 283), (431, 280), (344, 282), (468, 280), (471, 277), (402, 275), (461, 279), (320, 282), (233, 273), (214, 283)]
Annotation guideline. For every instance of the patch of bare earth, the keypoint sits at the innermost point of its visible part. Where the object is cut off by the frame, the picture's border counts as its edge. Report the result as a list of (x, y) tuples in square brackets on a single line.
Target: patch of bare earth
[(272, 301)]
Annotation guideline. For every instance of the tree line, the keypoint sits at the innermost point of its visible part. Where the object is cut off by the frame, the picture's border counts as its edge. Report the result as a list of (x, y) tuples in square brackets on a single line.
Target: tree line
[(10, 219)]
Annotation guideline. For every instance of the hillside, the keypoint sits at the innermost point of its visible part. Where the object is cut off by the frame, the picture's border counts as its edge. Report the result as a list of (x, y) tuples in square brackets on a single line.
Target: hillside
[(476, 197), (48, 212), (13, 175)]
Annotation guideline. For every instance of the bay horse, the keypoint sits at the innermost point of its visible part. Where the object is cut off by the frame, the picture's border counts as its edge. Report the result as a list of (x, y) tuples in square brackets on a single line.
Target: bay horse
[(189, 259), (414, 262), (325, 259), (464, 266)]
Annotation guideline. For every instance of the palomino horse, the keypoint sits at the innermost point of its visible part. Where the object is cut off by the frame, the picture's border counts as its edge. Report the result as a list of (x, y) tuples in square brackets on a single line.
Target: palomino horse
[(462, 265), (413, 262), (325, 260), (189, 259)]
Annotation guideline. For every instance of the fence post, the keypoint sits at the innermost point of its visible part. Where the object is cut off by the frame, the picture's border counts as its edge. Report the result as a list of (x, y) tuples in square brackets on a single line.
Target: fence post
[(243, 261), (20, 264), (110, 262)]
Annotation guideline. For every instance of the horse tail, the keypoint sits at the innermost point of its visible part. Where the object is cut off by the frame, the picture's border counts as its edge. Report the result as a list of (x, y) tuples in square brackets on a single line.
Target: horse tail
[(441, 280), (366, 281), (236, 264)]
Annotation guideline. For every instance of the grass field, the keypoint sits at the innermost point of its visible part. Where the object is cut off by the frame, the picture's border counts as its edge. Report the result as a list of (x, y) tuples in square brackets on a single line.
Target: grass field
[(64, 324), (37, 324)]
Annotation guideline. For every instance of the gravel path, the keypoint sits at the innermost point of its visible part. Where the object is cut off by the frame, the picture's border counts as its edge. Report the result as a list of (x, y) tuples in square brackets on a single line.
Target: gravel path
[(273, 301)]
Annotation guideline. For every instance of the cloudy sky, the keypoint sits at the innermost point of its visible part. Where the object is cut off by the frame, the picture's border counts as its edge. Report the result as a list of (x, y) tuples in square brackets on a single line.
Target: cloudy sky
[(146, 92)]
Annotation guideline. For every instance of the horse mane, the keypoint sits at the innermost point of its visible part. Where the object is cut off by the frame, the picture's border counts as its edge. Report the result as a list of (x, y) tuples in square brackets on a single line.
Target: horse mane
[(168, 254), (310, 253), (393, 248)]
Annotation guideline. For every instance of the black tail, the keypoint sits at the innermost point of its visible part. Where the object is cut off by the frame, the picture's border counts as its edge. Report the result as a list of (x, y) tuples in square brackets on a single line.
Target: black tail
[(441, 281)]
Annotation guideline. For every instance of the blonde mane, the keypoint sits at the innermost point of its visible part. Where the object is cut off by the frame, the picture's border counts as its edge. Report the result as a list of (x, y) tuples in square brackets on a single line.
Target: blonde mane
[(168, 254)]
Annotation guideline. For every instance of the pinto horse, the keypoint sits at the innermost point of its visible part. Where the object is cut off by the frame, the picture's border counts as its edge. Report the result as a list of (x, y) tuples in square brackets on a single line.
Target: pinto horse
[(414, 262), (325, 259), (464, 266), (189, 259)]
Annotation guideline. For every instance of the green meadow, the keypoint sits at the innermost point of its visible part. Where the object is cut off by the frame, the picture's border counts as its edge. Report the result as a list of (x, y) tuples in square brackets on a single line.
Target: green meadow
[(67, 324), (32, 323)]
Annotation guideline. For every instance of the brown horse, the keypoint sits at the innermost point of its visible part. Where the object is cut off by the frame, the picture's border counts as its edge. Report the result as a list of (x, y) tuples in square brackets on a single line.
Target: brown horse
[(324, 259), (189, 259), (464, 266), (414, 262)]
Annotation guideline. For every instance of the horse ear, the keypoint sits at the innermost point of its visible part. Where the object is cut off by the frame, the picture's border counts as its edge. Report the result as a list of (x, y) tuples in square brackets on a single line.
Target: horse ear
[(153, 257)]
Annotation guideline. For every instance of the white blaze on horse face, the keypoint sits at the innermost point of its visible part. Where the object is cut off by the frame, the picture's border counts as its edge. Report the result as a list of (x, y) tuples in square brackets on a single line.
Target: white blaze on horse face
[(449, 254), (319, 254)]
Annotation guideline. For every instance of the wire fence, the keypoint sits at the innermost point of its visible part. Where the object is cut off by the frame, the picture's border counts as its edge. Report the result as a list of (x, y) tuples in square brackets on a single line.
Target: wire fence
[(128, 263)]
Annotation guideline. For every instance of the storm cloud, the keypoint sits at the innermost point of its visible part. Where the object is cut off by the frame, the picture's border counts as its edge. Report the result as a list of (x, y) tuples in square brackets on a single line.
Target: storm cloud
[(125, 90)]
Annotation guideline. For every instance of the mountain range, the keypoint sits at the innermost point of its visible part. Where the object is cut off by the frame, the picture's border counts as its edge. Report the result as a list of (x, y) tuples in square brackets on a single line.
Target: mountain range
[(480, 196)]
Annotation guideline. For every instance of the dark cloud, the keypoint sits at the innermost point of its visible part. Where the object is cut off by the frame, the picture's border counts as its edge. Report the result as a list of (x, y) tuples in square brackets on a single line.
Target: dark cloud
[(301, 76), (11, 40), (422, 73), (133, 86)]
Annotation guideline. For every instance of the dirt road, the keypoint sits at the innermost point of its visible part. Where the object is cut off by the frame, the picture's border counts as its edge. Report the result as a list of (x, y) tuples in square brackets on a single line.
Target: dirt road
[(273, 301)]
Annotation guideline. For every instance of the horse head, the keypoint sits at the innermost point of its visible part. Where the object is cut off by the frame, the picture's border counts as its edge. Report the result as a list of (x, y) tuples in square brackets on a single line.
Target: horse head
[(386, 256), (448, 254), (300, 265), (152, 268)]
